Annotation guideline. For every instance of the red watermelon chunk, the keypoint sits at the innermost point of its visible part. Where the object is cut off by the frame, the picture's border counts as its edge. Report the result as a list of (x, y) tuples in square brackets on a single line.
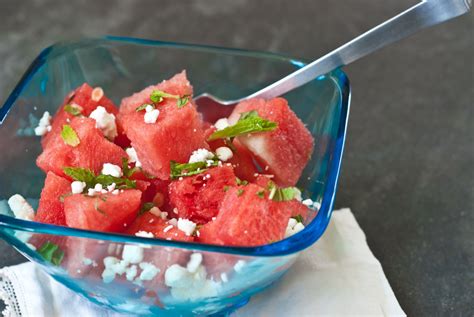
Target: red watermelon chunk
[(148, 222), (92, 152), (287, 149), (174, 136), (82, 97), (51, 208), (246, 219), (103, 212), (198, 197)]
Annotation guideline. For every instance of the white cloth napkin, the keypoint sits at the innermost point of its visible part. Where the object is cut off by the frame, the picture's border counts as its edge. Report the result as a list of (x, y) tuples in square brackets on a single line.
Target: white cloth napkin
[(338, 276)]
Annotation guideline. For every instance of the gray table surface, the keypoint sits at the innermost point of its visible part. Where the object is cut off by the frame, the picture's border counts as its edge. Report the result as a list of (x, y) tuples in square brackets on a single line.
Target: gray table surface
[(408, 170)]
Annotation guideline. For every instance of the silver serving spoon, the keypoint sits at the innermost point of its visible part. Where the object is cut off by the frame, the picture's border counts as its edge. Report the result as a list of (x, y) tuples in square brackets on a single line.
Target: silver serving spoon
[(424, 14)]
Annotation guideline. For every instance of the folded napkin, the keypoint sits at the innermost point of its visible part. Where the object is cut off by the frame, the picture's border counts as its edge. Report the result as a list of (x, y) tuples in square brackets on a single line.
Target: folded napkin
[(337, 276)]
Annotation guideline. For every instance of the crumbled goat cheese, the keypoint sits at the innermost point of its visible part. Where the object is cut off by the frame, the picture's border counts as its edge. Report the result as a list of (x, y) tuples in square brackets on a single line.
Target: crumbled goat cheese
[(151, 115), (194, 262), (97, 94), (293, 227), (187, 226), (155, 211), (111, 187), (144, 234), (239, 265), (308, 202), (132, 253), (173, 222), (132, 156), (224, 277), (131, 272), (112, 170), (98, 188), (77, 187), (105, 122), (21, 208), (91, 192), (115, 192), (224, 153), (44, 125), (221, 124), (190, 286), (200, 155), (149, 271)]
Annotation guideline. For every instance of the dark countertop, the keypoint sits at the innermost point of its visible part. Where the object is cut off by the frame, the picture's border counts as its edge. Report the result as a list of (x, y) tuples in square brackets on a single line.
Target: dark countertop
[(408, 170)]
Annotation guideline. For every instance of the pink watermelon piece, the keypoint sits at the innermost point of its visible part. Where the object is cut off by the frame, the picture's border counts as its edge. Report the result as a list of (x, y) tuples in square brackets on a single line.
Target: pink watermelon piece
[(92, 152), (246, 219), (51, 208), (174, 136), (242, 160), (81, 96), (198, 197), (285, 151), (103, 212), (156, 225)]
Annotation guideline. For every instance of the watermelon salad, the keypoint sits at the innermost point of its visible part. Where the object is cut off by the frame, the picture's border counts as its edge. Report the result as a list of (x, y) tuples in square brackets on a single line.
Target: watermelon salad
[(153, 167)]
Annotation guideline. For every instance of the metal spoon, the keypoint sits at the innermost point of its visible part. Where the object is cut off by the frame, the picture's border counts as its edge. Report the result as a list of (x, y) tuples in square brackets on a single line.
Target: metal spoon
[(424, 14)]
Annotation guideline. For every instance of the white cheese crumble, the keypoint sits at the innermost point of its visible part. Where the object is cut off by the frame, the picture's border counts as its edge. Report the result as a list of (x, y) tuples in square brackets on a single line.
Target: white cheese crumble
[(173, 222), (187, 226), (224, 277), (111, 187), (151, 115), (44, 125), (194, 262), (105, 122), (239, 265), (200, 155), (132, 156), (224, 153), (132, 254), (131, 272), (187, 285), (149, 271), (77, 187), (293, 227), (144, 234), (221, 124), (21, 208), (112, 170), (308, 202)]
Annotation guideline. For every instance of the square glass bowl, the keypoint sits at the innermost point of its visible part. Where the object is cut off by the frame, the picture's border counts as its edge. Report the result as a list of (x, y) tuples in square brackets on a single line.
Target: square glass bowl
[(229, 276)]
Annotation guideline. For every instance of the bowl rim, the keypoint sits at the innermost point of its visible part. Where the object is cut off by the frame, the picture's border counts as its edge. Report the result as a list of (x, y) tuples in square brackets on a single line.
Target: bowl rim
[(290, 245)]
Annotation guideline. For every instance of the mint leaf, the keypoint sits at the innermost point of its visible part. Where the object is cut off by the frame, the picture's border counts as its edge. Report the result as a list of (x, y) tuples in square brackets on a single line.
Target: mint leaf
[(240, 191), (189, 169), (87, 176), (249, 122), (146, 207), (81, 174), (261, 193), (69, 136), (51, 252), (127, 171), (182, 101), (158, 95), (143, 107), (298, 218), (282, 194), (241, 182), (73, 109)]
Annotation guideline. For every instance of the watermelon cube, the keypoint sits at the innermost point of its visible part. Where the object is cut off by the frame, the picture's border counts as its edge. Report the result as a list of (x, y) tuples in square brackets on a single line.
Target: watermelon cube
[(92, 152), (103, 212), (148, 222), (81, 97), (246, 218), (51, 206), (283, 152), (198, 197), (176, 133)]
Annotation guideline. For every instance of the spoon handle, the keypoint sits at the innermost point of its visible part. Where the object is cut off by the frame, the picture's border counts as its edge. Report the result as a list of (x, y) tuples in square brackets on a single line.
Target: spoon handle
[(422, 15)]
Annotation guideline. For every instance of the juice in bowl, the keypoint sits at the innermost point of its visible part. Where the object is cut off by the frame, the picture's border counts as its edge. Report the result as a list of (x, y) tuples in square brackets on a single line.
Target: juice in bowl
[(131, 195)]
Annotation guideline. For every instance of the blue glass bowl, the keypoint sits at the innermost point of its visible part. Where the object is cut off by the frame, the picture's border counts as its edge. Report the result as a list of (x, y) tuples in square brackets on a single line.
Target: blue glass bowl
[(122, 66)]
